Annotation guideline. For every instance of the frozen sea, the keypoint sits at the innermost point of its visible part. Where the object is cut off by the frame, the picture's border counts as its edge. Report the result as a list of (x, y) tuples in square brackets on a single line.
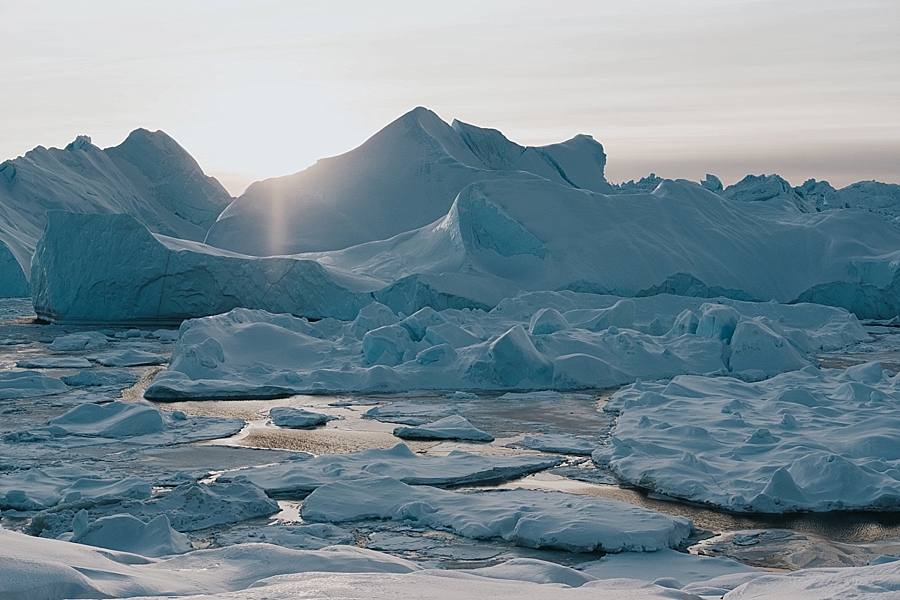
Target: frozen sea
[(235, 440)]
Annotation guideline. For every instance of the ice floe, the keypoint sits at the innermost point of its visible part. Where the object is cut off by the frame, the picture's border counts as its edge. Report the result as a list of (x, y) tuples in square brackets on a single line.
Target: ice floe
[(453, 427), (29, 384), (530, 518), (128, 357), (300, 477), (297, 418), (804, 440)]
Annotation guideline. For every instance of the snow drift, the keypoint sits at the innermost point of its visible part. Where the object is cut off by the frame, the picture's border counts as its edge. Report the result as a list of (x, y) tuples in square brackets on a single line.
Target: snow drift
[(148, 176)]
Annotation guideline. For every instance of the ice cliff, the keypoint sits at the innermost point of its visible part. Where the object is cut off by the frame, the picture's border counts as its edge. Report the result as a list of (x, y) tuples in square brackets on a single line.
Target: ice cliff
[(148, 176)]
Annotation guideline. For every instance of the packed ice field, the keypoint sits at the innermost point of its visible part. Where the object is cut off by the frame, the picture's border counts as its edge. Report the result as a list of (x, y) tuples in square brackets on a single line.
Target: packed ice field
[(511, 379)]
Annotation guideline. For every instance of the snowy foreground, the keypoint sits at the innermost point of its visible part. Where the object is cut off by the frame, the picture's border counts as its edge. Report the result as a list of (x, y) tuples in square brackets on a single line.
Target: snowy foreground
[(32, 568)]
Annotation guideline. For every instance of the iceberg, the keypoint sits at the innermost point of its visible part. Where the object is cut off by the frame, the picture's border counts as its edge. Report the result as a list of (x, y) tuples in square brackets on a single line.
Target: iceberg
[(404, 177), (136, 277), (148, 176)]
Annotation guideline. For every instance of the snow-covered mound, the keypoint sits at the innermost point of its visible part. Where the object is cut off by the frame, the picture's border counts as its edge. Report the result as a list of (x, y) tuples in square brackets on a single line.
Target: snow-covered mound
[(598, 341), (530, 518), (111, 269), (811, 439), (148, 176), (404, 177)]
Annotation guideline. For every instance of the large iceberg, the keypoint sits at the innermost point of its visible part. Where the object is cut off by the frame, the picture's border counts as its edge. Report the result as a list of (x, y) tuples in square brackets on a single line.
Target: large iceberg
[(148, 176), (404, 177), (495, 241)]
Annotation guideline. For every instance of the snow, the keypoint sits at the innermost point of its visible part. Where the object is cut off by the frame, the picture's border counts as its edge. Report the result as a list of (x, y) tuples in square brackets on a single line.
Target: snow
[(607, 341), (148, 176), (297, 418), (805, 440), (530, 518), (303, 475), (453, 427)]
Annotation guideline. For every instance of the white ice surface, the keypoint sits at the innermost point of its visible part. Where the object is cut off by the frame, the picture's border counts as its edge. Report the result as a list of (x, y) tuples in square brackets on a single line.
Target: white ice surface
[(254, 354), (806, 440), (299, 477), (530, 518)]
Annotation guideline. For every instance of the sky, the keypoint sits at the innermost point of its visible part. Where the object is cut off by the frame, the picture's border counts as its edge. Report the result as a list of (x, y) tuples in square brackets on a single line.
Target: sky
[(263, 88)]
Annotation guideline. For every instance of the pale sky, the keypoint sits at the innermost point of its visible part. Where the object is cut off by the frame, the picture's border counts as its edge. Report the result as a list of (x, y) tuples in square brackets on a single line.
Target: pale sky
[(262, 88)]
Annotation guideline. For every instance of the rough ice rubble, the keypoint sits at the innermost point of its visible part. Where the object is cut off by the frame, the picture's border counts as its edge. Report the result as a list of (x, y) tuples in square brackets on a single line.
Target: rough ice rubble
[(137, 277), (190, 506), (148, 176), (607, 341), (299, 477), (404, 177), (811, 439), (529, 518)]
